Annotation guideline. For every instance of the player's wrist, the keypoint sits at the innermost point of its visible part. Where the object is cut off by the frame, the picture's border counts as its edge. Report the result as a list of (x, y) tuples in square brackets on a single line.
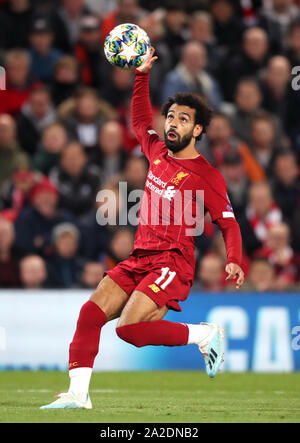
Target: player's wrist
[(233, 261), (138, 72)]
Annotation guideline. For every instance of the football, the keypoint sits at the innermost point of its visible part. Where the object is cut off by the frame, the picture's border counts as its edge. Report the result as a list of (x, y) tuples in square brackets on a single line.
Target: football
[(127, 46)]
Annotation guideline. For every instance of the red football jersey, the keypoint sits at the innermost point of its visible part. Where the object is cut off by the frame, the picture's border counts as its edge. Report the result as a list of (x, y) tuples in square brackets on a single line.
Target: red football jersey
[(168, 211)]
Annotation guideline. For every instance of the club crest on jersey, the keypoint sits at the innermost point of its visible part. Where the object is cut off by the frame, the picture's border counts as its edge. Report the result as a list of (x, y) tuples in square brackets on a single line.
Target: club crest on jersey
[(157, 162), (176, 180)]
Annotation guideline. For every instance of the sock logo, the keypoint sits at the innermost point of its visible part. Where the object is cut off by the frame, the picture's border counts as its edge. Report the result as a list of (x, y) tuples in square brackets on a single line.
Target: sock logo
[(73, 365)]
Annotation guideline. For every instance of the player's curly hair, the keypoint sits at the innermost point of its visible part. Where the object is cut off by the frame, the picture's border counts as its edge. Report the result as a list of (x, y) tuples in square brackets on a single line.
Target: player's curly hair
[(203, 113)]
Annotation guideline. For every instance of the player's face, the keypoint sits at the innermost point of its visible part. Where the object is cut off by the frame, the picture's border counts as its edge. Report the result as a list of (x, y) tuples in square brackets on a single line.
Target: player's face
[(180, 128)]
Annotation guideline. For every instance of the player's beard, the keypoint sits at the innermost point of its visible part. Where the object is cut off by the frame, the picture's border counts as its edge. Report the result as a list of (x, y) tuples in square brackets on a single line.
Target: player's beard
[(180, 143)]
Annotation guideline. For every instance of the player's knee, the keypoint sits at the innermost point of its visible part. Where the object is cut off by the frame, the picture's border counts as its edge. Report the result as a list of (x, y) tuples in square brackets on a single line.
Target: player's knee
[(129, 334)]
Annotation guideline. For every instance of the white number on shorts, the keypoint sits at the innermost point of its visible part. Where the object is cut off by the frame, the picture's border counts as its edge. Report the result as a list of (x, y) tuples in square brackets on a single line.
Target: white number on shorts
[(164, 273)]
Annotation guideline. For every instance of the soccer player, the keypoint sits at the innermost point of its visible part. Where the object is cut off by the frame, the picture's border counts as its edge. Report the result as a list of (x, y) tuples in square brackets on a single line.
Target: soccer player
[(160, 270)]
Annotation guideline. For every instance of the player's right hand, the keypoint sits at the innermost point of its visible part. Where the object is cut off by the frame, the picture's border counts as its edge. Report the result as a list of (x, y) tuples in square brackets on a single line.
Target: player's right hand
[(145, 67)]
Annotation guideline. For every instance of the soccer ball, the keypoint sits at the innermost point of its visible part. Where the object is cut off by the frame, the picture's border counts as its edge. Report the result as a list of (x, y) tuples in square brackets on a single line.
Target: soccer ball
[(127, 46)]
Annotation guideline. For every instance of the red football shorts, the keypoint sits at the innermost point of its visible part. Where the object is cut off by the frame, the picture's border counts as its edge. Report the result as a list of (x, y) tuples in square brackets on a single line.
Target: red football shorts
[(166, 277)]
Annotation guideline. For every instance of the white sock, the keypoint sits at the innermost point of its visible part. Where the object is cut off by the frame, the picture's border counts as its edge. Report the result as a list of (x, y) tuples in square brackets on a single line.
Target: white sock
[(197, 333), (80, 381)]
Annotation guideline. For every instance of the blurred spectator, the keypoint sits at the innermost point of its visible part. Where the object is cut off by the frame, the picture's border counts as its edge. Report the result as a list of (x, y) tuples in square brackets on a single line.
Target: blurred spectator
[(77, 181), (286, 184), (275, 19), (83, 116), (16, 192), (276, 87), (66, 23), (261, 276), (35, 116), (19, 82), (15, 23), (248, 101), (118, 87), (282, 257), (118, 92), (211, 273), (11, 156), (53, 140), (238, 183), (120, 247), (65, 80), (43, 55), (261, 213), (249, 62), (127, 11), (91, 275), (110, 155), (135, 172), (190, 76), (94, 68), (264, 144), (173, 24), (227, 26), (292, 51), (102, 7), (154, 26), (98, 227), (35, 224), (65, 266), (135, 175), (201, 30), (9, 271), (33, 272), (220, 141)]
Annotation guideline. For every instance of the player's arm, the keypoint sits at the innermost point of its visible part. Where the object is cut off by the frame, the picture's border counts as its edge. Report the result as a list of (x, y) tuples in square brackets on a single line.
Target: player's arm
[(141, 110), (233, 242), (217, 203)]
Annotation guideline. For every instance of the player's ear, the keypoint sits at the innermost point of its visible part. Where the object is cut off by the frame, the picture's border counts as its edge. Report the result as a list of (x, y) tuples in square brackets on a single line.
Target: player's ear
[(197, 130)]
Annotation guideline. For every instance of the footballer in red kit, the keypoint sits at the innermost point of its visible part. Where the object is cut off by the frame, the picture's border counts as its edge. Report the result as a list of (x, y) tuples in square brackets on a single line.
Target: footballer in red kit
[(181, 187)]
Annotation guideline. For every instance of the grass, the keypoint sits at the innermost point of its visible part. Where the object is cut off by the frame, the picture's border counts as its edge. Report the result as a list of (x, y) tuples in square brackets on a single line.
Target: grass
[(155, 397)]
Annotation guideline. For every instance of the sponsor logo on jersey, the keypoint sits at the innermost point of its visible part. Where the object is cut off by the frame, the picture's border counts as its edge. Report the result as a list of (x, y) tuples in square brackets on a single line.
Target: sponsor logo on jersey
[(169, 193), (154, 288), (176, 180), (156, 180)]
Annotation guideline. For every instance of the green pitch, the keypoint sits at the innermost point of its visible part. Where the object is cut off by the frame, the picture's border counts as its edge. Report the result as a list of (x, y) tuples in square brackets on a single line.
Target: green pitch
[(155, 397)]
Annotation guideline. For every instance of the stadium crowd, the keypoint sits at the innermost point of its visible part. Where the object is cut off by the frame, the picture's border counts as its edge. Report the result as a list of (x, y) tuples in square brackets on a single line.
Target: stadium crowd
[(65, 133)]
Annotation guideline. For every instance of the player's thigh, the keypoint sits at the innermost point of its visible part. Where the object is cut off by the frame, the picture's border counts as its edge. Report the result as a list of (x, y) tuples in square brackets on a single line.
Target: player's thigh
[(110, 297), (139, 308)]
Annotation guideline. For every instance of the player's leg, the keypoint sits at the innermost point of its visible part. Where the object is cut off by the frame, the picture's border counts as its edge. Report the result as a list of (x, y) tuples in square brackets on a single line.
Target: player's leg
[(104, 305), (141, 322)]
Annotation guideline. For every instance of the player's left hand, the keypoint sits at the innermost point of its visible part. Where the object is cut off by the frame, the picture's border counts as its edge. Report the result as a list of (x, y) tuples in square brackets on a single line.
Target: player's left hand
[(235, 271)]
